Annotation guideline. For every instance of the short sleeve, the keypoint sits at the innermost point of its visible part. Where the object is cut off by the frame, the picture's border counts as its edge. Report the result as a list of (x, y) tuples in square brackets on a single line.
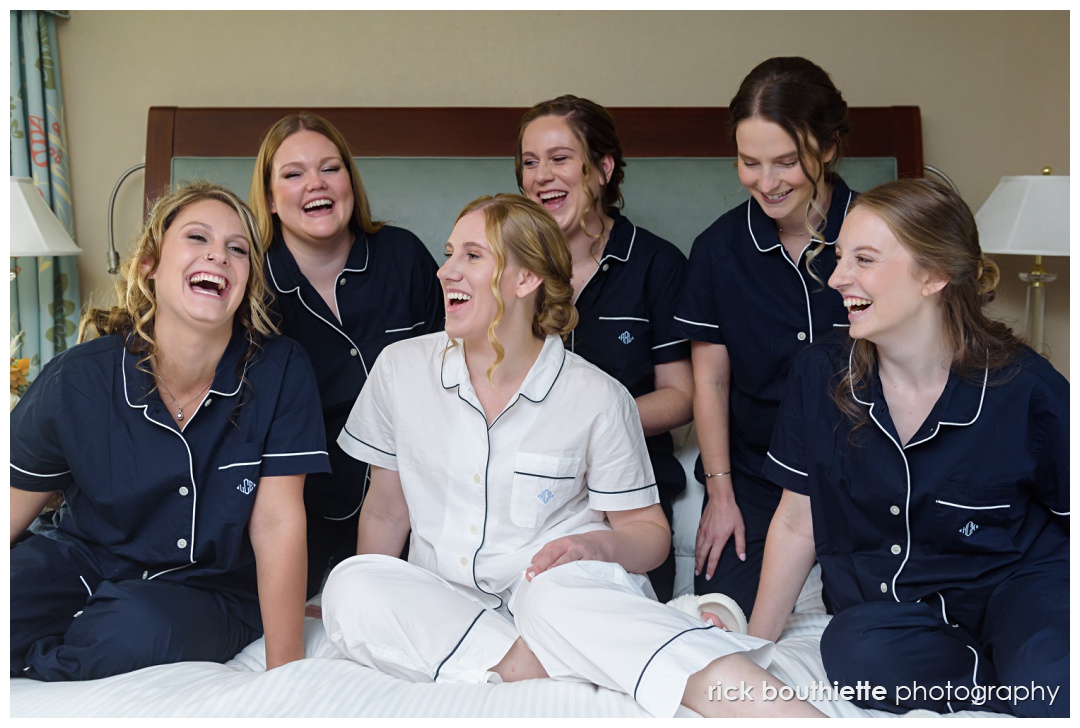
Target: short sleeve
[(667, 278), (618, 473), (296, 440), (368, 434), (697, 315), (37, 457), (1052, 478), (786, 462), (426, 285)]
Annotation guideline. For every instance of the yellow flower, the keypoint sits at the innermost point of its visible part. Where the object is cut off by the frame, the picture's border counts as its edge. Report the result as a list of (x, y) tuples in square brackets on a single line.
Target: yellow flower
[(19, 369)]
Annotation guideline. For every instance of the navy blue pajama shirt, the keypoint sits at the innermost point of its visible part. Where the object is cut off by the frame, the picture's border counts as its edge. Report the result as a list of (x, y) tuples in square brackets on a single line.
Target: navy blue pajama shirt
[(975, 502), (387, 292), (626, 327), (145, 502), (746, 293)]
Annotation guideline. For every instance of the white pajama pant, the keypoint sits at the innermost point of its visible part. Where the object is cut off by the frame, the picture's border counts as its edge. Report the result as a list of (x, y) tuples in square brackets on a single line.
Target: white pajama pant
[(586, 620)]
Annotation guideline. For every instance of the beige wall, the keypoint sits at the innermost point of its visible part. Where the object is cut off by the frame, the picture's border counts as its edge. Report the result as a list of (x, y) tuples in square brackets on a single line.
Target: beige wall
[(993, 86)]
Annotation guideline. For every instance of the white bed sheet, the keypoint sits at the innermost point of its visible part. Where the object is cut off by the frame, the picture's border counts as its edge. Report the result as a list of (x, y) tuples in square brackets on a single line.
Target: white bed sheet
[(327, 685)]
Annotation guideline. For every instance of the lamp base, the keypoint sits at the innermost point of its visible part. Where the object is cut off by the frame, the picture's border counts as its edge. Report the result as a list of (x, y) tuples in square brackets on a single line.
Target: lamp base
[(1035, 308)]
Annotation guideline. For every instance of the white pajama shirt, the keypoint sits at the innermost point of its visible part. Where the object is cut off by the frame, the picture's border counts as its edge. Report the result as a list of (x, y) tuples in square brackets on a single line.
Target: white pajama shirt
[(482, 502)]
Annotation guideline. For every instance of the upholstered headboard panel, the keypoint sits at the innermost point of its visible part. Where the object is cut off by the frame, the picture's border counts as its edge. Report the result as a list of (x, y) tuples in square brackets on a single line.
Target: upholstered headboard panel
[(420, 166)]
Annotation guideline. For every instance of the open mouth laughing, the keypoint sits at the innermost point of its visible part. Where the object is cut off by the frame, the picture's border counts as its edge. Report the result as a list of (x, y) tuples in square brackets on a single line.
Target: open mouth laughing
[(208, 284), (455, 299), (856, 305)]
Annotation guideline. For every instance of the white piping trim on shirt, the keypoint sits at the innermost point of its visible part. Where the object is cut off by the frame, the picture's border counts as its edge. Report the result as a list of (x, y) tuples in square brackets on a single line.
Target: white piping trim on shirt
[(239, 465), (39, 475), (191, 464), (296, 290), (971, 508), (907, 475), (1058, 513), (696, 323), (944, 616), (407, 328), (794, 264), (670, 343), (786, 467), (621, 318)]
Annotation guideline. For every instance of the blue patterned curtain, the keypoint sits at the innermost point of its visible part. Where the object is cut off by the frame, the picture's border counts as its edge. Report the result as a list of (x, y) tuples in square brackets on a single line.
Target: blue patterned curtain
[(45, 291)]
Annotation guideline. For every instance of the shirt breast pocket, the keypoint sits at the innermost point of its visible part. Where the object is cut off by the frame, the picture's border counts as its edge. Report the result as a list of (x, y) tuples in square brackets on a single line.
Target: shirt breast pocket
[(974, 519), (542, 484), (239, 468)]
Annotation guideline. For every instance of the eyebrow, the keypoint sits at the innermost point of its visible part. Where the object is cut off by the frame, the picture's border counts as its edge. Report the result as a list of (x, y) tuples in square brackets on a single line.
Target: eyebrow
[(324, 160), (549, 151)]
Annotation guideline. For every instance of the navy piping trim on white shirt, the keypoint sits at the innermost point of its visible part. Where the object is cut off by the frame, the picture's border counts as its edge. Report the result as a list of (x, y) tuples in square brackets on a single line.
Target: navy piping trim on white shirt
[(547, 477), (362, 442), (438, 669), (618, 492)]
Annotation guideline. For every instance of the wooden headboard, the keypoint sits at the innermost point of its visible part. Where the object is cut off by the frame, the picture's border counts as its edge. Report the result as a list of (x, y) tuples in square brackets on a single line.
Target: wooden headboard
[(664, 136)]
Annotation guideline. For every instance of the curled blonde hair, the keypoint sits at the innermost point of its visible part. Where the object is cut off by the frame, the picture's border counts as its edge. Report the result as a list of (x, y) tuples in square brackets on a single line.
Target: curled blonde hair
[(259, 198), (133, 316), (519, 229)]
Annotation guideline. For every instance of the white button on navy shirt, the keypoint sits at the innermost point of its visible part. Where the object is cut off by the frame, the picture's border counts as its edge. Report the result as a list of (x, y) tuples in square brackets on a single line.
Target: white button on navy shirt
[(394, 295), (122, 491), (986, 477)]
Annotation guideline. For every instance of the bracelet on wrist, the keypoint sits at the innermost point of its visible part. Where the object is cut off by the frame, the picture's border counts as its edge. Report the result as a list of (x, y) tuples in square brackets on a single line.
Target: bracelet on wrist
[(717, 475)]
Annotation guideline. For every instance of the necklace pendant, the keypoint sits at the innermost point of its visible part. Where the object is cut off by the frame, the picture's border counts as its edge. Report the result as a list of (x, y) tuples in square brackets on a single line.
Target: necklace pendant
[(179, 413)]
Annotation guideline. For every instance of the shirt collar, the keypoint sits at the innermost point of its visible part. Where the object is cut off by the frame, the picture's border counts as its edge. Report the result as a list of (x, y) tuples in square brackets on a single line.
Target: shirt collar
[(621, 240), (960, 403), (538, 382), (139, 383), (284, 272), (763, 228)]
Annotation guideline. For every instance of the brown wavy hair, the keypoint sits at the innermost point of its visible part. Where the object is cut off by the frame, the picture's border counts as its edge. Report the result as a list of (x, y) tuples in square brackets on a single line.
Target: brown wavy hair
[(518, 228), (595, 129), (936, 226), (259, 198), (133, 316), (798, 96)]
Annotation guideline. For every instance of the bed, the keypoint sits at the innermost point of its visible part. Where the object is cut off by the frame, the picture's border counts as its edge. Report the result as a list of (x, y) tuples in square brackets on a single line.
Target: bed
[(420, 166)]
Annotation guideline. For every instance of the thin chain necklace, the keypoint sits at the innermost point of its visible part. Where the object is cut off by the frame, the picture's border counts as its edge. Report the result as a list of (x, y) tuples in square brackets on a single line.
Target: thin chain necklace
[(180, 407)]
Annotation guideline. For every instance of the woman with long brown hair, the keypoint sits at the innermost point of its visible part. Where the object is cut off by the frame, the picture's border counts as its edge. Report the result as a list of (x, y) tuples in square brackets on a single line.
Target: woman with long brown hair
[(925, 461)]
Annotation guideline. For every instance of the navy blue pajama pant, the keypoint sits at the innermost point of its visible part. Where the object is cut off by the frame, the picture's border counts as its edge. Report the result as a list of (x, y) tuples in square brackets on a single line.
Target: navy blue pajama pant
[(69, 623), (1013, 636), (757, 500)]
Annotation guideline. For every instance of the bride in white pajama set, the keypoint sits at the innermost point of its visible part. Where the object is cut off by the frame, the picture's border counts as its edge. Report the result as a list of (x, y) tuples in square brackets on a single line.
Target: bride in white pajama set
[(522, 474)]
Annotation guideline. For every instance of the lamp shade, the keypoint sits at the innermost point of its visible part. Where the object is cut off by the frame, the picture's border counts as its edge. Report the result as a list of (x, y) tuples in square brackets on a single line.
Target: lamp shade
[(1026, 215), (35, 231)]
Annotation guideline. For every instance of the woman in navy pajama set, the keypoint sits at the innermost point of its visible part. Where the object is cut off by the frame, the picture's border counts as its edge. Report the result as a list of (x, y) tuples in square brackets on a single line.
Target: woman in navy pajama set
[(754, 298), (627, 281), (180, 439), (926, 461), (345, 287)]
